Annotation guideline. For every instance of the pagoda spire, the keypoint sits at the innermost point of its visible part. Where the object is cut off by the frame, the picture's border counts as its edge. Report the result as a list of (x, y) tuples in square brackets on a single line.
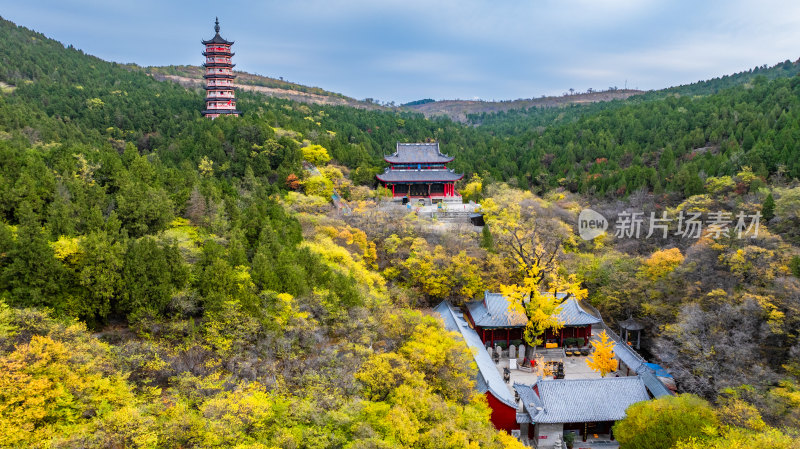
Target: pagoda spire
[(220, 99)]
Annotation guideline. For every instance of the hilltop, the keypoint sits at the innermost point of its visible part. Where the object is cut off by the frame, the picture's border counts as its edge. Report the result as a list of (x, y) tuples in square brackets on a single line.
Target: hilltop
[(192, 76), (462, 110), (459, 110)]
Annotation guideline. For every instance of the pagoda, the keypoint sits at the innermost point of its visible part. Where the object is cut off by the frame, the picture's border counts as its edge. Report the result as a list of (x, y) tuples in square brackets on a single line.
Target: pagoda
[(420, 170), (219, 77)]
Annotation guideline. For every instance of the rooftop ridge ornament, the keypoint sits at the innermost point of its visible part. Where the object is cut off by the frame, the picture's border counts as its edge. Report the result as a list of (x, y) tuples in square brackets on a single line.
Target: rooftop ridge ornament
[(216, 24)]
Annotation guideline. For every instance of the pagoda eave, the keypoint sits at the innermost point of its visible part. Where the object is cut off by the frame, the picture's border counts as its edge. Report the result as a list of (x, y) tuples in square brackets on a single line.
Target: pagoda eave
[(440, 161), (217, 40), (221, 111), (219, 87), (218, 75), (218, 53)]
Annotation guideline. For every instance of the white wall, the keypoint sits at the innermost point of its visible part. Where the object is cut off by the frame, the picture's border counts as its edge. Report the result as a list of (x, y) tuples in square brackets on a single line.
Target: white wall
[(551, 431)]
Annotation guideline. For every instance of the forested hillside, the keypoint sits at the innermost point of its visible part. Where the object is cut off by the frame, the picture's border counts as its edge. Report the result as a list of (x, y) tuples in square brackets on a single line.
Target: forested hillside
[(610, 149), (658, 144), (172, 281), (785, 69), (219, 318)]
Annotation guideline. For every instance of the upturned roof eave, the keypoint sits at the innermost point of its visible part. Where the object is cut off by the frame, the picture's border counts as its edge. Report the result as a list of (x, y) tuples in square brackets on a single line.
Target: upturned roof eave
[(419, 180), (217, 39), (443, 160)]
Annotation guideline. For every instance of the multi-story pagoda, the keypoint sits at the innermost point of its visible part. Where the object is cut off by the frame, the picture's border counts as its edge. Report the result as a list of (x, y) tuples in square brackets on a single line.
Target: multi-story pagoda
[(420, 170), (219, 77)]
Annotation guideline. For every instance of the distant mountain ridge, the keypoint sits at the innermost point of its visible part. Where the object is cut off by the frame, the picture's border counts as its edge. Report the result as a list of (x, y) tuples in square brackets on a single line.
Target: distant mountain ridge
[(459, 110), (192, 76), (785, 69)]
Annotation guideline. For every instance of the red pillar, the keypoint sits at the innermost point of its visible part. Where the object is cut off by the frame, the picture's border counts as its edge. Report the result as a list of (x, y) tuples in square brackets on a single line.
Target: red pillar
[(508, 336), (392, 190)]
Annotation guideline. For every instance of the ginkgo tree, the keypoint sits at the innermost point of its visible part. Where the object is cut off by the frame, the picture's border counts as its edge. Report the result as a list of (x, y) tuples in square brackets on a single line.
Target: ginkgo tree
[(541, 307), (602, 359), (531, 239)]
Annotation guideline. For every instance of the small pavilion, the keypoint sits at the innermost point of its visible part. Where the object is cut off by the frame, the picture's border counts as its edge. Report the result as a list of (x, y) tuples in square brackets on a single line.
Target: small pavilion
[(628, 326)]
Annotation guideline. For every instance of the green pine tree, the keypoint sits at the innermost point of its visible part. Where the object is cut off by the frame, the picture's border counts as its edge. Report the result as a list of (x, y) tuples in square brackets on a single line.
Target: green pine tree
[(768, 208), (487, 240)]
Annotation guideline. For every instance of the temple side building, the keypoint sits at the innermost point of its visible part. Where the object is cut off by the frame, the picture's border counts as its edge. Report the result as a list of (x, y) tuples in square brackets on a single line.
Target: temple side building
[(487, 378), (220, 99), (553, 407), (496, 321), (419, 170)]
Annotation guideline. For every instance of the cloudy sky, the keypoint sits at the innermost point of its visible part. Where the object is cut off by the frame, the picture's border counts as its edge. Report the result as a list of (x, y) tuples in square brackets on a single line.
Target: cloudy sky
[(401, 51)]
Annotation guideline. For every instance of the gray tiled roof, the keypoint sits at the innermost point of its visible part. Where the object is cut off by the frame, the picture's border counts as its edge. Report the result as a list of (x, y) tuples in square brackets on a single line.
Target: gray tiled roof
[(529, 399), (488, 376), (448, 315), (636, 362), (480, 383), (418, 152), (572, 314), (523, 418), (434, 175), (631, 325), (652, 382), (583, 400), (495, 311), (628, 356)]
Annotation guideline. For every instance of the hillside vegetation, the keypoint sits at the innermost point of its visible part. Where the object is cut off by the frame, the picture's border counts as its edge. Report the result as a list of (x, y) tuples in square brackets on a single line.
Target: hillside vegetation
[(223, 319), (460, 110), (663, 144), (172, 281)]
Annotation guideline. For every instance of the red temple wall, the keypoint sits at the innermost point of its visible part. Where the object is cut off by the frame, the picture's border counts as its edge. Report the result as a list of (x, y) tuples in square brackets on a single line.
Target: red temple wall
[(503, 335), (503, 416)]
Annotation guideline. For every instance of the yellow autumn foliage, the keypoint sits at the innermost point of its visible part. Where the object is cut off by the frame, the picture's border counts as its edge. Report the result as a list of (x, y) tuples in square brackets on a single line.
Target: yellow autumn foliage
[(661, 263), (46, 383), (602, 359), (66, 249), (342, 260), (315, 154)]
